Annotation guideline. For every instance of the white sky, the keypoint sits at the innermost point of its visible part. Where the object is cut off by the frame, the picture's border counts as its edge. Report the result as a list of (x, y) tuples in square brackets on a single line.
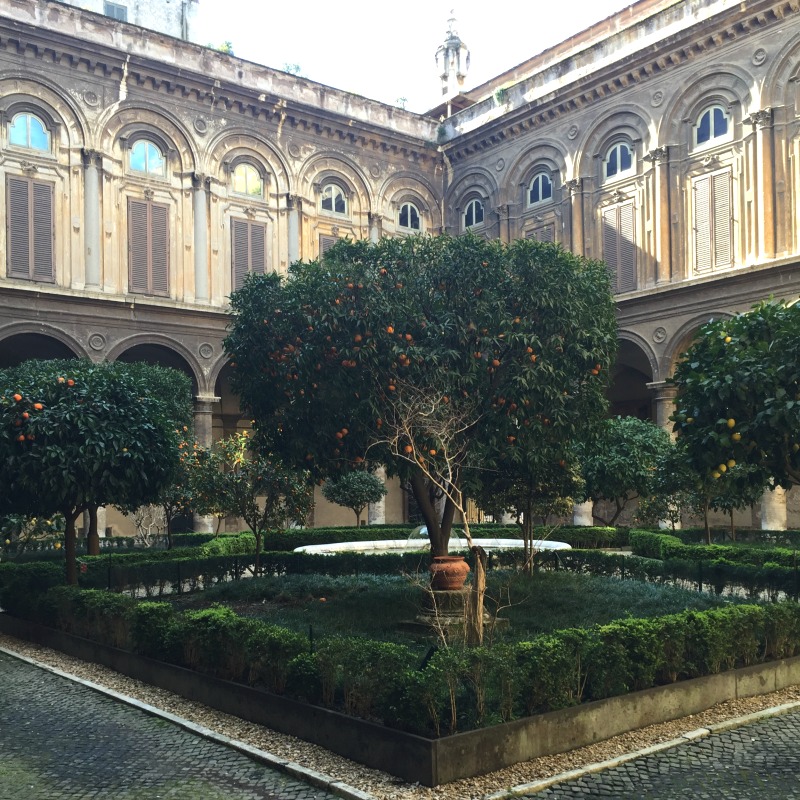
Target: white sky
[(386, 50)]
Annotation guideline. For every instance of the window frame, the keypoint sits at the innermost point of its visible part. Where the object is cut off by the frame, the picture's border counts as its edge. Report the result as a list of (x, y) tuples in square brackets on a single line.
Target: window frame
[(146, 239), (248, 165), (410, 204), (538, 177), (615, 148), (40, 234), (471, 205), (252, 230), (112, 10), (718, 233), (29, 115), (146, 172), (334, 186), (713, 140), (624, 269)]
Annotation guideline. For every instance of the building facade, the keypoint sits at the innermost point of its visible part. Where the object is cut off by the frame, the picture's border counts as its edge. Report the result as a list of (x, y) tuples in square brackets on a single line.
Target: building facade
[(144, 175)]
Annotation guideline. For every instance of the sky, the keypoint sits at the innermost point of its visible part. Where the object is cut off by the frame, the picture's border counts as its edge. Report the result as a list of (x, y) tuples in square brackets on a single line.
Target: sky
[(386, 51)]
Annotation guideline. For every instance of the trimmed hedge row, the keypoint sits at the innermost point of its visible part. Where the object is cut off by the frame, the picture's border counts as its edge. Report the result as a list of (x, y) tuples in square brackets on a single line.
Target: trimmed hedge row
[(667, 546), (455, 690)]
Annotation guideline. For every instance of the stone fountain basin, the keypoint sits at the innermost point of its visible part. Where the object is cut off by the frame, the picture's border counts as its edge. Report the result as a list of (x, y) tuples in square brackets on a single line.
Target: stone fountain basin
[(413, 545)]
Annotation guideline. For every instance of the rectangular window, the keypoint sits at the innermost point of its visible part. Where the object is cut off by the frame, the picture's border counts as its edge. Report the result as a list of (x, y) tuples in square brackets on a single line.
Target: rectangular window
[(30, 229), (148, 247), (116, 11), (248, 249), (547, 233), (713, 237), (619, 246)]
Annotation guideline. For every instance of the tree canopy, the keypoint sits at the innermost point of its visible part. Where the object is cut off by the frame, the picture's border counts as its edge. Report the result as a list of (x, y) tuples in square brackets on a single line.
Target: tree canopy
[(76, 435), (511, 344), (739, 398), (355, 490)]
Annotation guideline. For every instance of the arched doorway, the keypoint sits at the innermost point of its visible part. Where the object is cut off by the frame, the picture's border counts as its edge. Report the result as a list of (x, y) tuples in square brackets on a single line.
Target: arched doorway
[(628, 394)]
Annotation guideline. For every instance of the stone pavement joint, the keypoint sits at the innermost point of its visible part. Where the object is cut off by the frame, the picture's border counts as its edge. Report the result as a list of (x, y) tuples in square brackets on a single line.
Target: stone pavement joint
[(202, 762)]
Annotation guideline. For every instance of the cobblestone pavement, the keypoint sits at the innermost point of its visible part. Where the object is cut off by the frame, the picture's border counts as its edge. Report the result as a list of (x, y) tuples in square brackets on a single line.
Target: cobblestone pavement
[(60, 740), (757, 761)]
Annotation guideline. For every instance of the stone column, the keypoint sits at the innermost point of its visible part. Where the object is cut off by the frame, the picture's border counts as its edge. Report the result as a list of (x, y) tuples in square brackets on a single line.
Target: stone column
[(374, 227), (293, 227), (91, 216), (582, 514), (376, 512), (504, 223), (661, 214), (200, 209), (203, 427), (664, 403), (773, 510), (765, 181), (576, 233)]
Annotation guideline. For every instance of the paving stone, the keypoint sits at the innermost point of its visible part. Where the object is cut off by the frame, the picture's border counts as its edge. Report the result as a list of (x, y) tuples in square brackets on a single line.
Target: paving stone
[(62, 741), (759, 761)]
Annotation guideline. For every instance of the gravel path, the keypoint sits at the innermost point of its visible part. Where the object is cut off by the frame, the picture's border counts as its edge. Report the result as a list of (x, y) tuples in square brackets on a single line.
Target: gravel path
[(379, 784)]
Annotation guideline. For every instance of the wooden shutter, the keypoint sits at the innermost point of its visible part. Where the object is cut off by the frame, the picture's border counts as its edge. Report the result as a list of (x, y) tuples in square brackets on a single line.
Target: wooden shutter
[(30, 229), (325, 243), (248, 249), (713, 236), (148, 247), (159, 249), (547, 233), (619, 245)]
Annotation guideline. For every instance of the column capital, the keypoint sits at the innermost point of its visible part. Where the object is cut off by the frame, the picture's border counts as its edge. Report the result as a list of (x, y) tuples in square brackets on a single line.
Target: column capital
[(201, 181), (574, 185), (293, 201), (760, 119), (658, 155), (91, 158), (663, 389)]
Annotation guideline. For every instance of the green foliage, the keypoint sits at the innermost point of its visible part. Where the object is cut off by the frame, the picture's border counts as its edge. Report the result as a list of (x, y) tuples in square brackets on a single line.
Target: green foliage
[(739, 398), (620, 465), (478, 356), (76, 435), (355, 490)]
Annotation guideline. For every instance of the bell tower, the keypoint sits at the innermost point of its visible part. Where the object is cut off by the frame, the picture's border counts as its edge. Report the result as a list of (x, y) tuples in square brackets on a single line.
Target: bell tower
[(452, 61)]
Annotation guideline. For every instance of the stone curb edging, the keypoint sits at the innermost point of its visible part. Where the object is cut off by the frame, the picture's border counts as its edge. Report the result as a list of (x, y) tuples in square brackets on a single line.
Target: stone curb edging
[(600, 766), (298, 771)]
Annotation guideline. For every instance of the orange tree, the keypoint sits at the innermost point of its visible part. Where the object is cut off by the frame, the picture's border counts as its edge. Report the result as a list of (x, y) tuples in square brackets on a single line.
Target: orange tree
[(738, 400), (75, 435), (513, 343)]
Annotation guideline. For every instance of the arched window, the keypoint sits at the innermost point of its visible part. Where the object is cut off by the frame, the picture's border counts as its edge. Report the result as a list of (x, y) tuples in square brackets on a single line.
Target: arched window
[(333, 199), (541, 189), (618, 160), (147, 158), (408, 218), (473, 214), (27, 130), (247, 181), (713, 123)]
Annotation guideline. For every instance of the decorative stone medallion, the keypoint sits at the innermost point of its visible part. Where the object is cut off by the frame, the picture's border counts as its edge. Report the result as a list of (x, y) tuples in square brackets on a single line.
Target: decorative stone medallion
[(201, 126), (97, 341), (206, 350), (657, 99), (573, 131), (759, 57), (90, 98), (500, 164), (659, 335)]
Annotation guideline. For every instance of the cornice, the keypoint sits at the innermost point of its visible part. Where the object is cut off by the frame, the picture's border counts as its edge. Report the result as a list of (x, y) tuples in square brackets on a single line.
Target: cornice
[(629, 71), (168, 79)]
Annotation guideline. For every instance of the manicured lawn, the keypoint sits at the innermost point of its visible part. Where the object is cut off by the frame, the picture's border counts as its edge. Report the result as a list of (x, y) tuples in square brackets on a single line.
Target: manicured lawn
[(373, 606)]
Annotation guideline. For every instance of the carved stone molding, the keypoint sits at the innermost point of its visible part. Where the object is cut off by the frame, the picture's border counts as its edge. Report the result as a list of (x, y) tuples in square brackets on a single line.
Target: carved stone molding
[(761, 119), (149, 194), (91, 158), (574, 185), (28, 166), (659, 154), (200, 181)]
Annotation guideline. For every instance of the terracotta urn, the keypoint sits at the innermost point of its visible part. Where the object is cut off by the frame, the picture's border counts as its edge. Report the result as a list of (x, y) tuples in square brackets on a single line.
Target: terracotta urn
[(448, 573)]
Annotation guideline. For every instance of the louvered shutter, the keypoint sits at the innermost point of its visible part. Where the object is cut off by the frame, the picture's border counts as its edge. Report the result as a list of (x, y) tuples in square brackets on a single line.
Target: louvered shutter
[(138, 246), (159, 249), (19, 240), (325, 243), (42, 231), (703, 253), (721, 189), (258, 248), (30, 229), (239, 251), (626, 258), (547, 233), (619, 246)]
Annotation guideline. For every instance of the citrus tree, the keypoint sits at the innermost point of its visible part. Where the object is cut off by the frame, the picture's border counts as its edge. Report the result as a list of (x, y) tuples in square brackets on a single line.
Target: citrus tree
[(511, 343), (620, 464), (738, 399), (75, 435), (257, 487), (355, 490)]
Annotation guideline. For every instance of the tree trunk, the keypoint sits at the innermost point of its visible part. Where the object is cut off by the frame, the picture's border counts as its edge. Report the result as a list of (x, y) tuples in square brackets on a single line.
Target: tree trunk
[(257, 566), (733, 528), (475, 621), (70, 554), (93, 535), (705, 522), (438, 530)]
